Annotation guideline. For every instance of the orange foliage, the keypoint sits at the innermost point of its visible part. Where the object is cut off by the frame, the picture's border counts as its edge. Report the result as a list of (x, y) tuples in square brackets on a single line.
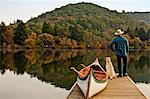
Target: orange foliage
[(31, 56), (97, 44), (127, 36), (32, 36), (30, 43), (74, 43), (81, 45), (8, 35)]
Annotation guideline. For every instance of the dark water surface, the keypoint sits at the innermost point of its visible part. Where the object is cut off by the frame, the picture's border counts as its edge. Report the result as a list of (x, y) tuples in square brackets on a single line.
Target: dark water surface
[(36, 74)]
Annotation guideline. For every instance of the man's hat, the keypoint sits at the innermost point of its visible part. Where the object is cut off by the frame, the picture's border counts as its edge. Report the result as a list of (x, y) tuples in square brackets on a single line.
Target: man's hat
[(119, 32)]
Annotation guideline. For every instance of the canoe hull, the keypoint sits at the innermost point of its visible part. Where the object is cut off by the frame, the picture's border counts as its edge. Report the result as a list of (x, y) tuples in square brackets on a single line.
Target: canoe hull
[(90, 87), (83, 85), (95, 87)]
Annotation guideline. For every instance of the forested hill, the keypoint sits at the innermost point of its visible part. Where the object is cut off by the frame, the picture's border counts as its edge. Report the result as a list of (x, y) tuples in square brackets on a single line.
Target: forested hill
[(89, 16), (140, 16), (81, 25)]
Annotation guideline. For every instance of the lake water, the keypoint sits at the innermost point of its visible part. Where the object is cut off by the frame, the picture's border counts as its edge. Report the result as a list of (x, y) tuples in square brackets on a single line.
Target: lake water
[(45, 73)]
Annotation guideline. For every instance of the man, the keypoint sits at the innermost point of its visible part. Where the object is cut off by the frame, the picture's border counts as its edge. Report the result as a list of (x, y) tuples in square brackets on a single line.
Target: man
[(121, 49)]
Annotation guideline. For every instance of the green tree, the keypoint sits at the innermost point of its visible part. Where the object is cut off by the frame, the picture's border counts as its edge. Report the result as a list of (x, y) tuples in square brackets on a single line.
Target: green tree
[(148, 34), (58, 30), (2, 29), (128, 30), (136, 31), (142, 34), (20, 33), (48, 28), (76, 33), (0, 34), (45, 28)]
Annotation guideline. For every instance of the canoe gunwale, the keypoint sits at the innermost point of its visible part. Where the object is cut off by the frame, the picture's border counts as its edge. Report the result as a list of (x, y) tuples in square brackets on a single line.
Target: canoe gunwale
[(91, 72), (85, 77), (90, 77)]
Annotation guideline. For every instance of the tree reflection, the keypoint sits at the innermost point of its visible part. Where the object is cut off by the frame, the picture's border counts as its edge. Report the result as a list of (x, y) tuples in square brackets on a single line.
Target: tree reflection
[(20, 62), (2, 67), (139, 66), (52, 66), (31, 56)]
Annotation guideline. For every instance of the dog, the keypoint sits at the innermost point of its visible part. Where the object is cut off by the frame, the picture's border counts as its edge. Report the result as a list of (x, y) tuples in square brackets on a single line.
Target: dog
[(109, 68)]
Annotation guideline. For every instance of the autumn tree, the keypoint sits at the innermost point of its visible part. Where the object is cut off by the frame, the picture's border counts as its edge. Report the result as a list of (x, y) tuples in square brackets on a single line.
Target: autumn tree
[(6, 36), (47, 39), (31, 56), (97, 44), (136, 42), (81, 45), (31, 41), (69, 43), (127, 36), (32, 36), (74, 43)]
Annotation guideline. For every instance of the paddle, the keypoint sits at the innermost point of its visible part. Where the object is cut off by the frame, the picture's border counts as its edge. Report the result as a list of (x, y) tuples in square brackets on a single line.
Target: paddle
[(73, 68), (83, 65), (87, 68)]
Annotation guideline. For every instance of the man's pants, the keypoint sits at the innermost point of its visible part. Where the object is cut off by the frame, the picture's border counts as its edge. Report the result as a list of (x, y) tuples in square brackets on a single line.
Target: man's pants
[(119, 64)]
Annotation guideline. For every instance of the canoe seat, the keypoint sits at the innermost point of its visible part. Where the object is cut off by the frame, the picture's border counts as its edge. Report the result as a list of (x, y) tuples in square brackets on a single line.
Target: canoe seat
[(99, 76), (98, 72)]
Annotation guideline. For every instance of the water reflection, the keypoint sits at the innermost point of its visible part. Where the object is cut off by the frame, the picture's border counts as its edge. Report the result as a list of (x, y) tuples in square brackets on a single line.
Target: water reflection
[(23, 87), (139, 66), (52, 66)]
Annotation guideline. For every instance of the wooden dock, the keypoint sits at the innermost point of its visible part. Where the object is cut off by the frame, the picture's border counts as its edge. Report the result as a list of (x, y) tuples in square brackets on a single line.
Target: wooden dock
[(118, 88)]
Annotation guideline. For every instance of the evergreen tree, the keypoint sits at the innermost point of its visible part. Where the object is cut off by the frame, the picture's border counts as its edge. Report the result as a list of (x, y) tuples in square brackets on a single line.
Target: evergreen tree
[(128, 30), (45, 28), (148, 34), (48, 28), (142, 34), (58, 30), (2, 30), (136, 31), (0, 34), (20, 33)]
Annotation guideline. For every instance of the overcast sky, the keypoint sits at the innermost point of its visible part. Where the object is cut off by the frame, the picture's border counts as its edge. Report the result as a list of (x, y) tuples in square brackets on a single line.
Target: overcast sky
[(11, 10)]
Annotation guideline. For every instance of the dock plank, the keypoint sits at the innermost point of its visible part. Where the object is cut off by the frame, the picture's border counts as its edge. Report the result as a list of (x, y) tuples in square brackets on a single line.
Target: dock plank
[(118, 88)]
